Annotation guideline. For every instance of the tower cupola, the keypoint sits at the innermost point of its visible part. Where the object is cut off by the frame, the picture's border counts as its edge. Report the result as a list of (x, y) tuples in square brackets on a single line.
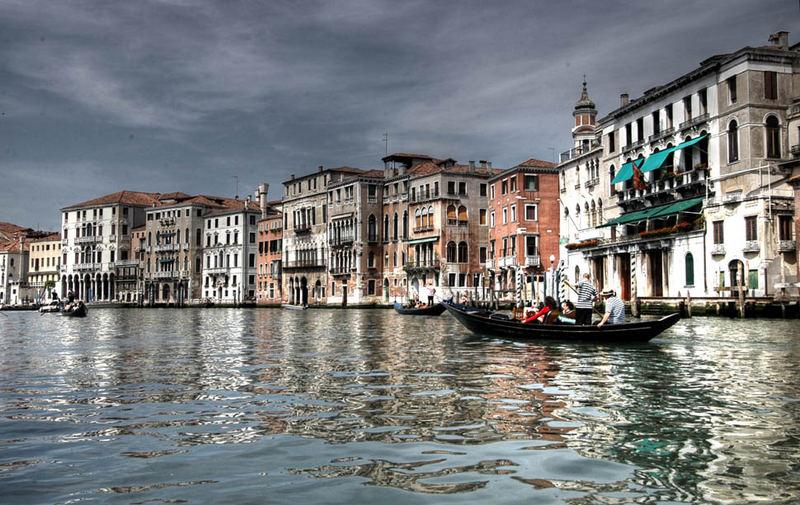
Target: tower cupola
[(585, 114)]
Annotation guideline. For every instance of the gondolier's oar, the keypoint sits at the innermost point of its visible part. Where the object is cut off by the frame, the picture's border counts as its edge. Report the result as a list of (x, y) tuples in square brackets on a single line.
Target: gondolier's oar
[(576, 292)]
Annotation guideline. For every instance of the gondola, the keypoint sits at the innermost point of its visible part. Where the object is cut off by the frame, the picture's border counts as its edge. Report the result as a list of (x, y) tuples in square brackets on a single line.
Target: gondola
[(433, 310), (498, 325), (77, 309), (294, 307)]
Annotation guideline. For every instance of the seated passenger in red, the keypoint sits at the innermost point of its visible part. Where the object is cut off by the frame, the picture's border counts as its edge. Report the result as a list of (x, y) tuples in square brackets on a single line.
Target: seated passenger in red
[(549, 312)]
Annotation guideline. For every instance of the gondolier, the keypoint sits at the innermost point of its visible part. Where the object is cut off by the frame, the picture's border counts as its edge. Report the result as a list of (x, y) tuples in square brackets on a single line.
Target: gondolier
[(586, 297)]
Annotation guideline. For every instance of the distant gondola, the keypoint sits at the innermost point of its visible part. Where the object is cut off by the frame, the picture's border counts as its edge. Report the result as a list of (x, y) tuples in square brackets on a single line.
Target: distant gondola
[(294, 307), (433, 310), (76, 309), (487, 323)]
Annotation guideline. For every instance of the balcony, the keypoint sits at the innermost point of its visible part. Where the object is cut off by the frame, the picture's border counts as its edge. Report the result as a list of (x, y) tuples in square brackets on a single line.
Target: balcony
[(422, 266), (786, 245), (660, 135), (126, 263), (87, 266), (215, 270), (751, 246), (342, 241), (88, 239), (489, 264), (592, 182), (167, 247), (304, 264), (506, 262), (342, 270), (695, 121), (302, 229), (167, 274), (795, 150), (423, 229), (533, 261)]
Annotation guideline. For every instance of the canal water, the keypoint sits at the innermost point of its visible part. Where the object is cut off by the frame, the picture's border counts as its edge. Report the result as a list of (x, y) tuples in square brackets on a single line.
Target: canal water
[(366, 406)]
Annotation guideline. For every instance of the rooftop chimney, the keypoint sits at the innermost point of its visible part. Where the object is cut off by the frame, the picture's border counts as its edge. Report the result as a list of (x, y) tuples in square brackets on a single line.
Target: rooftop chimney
[(483, 163), (291, 177), (319, 168), (489, 165), (472, 166), (780, 39), (263, 190), (623, 99)]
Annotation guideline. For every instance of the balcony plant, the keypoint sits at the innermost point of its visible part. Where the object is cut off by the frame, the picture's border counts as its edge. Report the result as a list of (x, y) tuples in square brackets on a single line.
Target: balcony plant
[(582, 244)]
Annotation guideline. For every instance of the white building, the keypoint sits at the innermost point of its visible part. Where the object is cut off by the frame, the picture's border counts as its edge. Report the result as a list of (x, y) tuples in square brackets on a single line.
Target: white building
[(680, 191), (230, 251)]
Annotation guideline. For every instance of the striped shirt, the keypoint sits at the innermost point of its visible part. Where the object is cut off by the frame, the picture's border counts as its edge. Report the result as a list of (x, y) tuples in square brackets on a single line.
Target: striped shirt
[(586, 295), (616, 308)]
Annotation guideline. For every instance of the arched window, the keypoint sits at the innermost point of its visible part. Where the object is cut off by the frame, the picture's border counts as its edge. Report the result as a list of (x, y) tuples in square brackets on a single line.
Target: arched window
[(733, 141), (386, 227), (418, 218), (599, 211), (424, 217), (689, 269), (462, 214), (462, 252), (451, 252), (773, 138), (405, 224), (430, 216), (372, 230), (594, 214), (394, 235)]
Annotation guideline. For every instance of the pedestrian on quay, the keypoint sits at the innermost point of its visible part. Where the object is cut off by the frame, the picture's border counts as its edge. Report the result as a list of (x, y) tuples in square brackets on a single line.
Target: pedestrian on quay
[(587, 294), (615, 309)]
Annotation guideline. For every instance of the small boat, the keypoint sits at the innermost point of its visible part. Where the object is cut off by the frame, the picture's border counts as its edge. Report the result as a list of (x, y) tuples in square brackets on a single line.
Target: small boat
[(499, 325), (294, 307), (75, 309), (433, 310)]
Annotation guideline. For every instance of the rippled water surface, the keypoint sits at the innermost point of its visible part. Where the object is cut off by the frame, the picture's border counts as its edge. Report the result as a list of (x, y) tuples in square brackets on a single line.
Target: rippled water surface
[(366, 406)]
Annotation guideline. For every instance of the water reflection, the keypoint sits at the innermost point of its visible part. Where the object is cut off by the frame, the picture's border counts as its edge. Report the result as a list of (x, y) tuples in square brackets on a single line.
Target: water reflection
[(706, 413)]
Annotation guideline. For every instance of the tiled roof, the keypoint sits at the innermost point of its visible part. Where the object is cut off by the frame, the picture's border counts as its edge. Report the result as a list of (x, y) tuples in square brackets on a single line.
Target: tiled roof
[(124, 196), (533, 162), (13, 246), (49, 238)]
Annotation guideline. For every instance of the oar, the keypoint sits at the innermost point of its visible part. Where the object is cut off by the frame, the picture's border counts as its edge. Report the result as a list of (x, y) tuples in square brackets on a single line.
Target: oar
[(576, 292)]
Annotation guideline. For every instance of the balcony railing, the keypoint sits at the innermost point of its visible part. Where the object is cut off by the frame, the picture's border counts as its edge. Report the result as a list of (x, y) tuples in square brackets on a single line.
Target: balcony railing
[(506, 261), (423, 265), (304, 264), (795, 150), (702, 118), (87, 266), (718, 250), (126, 263), (302, 228), (662, 134), (786, 245), (533, 261), (490, 264), (167, 247), (215, 270), (166, 274), (341, 270), (423, 229), (88, 240)]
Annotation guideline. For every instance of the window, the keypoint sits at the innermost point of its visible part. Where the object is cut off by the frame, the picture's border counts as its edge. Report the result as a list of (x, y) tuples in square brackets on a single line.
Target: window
[(612, 172), (504, 187), (702, 98), (451, 252), (451, 187), (482, 217), (689, 269), (452, 217), (611, 146), (668, 114), (482, 190), (371, 287), (252, 259), (491, 219), (719, 236), (531, 183), (640, 129), (372, 230), (482, 254), (371, 260), (731, 89), (733, 142), (770, 85), (531, 212), (514, 213), (513, 182), (752, 279), (773, 138), (750, 230), (656, 122), (505, 215), (628, 134), (785, 227), (462, 188), (491, 197), (531, 246), (462, 252), (252, 238), (687, 108), (462, 215)]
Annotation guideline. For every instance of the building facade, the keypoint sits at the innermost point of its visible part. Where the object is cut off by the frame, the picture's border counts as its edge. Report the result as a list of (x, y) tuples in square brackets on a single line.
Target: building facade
[(270, 244), (44, 262), (95, 235), (523, 228), (683, 190)]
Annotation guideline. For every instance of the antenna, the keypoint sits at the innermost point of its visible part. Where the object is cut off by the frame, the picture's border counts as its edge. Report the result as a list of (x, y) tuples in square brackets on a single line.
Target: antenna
[(236, 179), (386, 142)]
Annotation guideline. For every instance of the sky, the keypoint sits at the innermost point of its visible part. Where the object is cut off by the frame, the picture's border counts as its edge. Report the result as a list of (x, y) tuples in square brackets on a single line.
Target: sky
[(213, 97)]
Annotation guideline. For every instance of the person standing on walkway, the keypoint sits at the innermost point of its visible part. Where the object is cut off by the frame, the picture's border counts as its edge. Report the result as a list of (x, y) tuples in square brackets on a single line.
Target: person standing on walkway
[(615, 309), (587, 294), (431, 293)]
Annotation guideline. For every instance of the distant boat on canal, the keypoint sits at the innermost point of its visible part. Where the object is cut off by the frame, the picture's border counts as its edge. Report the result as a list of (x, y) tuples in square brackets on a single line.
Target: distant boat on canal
[(433, 310)]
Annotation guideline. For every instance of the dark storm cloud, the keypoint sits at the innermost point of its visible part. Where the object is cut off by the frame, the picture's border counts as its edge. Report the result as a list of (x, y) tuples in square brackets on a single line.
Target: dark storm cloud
[(183, 95)]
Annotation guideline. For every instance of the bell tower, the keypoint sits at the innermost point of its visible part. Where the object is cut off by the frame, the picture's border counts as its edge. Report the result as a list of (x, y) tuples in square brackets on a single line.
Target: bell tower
[(585, 115)]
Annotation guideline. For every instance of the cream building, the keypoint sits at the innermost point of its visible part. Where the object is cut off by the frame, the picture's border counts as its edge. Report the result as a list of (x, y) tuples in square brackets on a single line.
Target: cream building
[(44, 262)]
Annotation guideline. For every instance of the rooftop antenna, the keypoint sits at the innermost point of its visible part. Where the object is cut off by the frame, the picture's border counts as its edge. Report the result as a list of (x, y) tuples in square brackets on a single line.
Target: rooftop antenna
[(236, 179), (386, 142)]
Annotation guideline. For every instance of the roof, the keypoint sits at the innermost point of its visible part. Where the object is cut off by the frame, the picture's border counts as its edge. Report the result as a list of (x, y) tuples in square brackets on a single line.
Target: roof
[(533, 162), (127, 197), (13, 245), (49, 238)]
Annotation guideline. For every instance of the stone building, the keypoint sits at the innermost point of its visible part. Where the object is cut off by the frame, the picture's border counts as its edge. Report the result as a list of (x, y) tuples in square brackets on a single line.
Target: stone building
[(305, 235), (687, 184), (354, 261), (96, 234), (269, 281), (523, 227), (14, 270), (44, 261)]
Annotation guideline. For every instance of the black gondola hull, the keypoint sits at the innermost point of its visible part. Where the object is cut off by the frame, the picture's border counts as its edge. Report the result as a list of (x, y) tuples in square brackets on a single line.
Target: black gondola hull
[(479, 322), (433, 310)]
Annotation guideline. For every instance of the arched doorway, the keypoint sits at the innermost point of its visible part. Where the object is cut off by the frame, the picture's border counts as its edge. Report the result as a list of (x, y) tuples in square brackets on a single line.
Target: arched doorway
[(303, 291), (165, 292), (736, 276), (386, 289)]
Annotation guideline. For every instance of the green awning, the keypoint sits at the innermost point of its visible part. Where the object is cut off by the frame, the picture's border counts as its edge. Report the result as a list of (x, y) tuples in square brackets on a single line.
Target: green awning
[(655, 160), (422, 240), (166, 260), (654, 212), (626, 171)]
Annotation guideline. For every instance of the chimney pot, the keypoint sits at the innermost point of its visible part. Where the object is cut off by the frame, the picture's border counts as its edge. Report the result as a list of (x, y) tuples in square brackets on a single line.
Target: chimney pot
[(624, 99), (780, 39), (319, 168), (483, 163), (292, 177)]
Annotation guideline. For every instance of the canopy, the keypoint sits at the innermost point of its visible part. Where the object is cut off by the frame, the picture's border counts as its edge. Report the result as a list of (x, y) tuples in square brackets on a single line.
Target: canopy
[(626, 171), (654, 212), (655, 160)]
